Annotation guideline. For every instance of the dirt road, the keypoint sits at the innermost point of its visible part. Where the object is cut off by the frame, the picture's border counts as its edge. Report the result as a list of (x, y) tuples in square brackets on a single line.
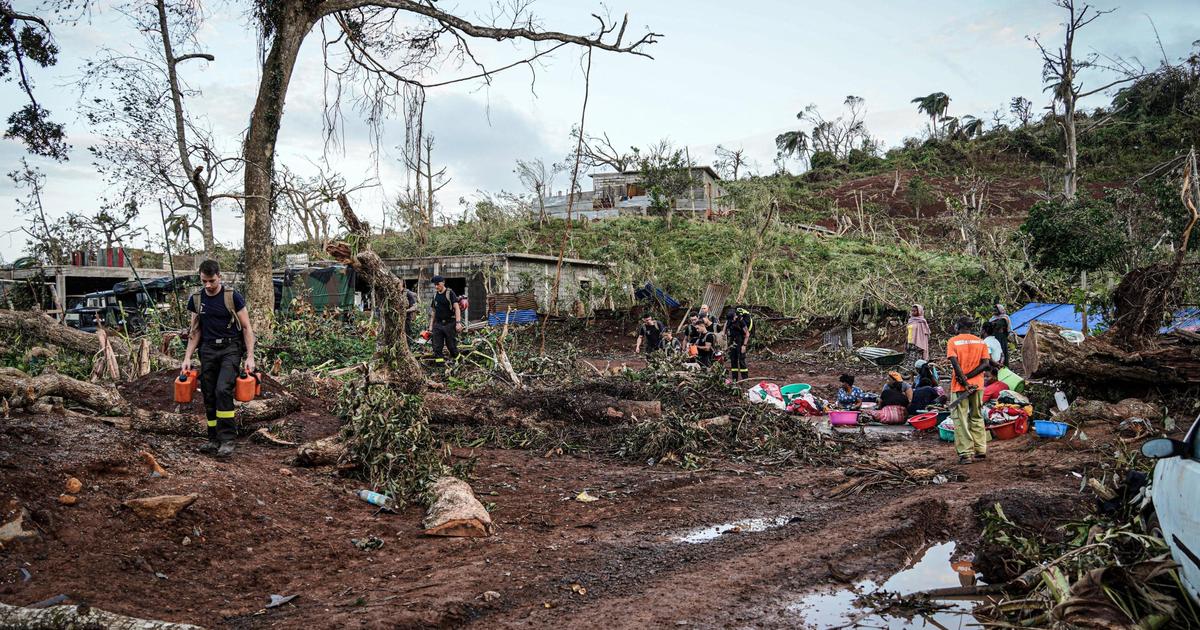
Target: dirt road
[(649, 552)]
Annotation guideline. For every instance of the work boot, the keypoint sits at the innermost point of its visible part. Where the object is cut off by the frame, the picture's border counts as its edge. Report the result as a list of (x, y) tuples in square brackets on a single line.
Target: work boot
[(210, 447), (226, 449), (964, 459), (979, 456)]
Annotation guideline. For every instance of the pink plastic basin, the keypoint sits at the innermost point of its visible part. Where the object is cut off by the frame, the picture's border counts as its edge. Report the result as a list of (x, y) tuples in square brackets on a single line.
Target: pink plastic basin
[(843, 417)]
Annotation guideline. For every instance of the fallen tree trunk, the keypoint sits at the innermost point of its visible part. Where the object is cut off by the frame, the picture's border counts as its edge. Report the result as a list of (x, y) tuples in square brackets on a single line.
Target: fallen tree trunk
[(24, 391), (41, 326), (455, 511), (1173, 359), (78, 618), (523, 408)]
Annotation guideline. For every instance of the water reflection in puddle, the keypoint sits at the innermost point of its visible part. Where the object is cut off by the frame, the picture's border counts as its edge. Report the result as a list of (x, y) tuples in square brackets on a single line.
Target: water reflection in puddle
[(712, 532), (933, 570)]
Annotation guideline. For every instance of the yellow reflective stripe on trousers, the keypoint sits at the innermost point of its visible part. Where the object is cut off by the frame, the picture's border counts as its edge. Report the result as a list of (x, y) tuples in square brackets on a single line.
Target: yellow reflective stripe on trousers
[(212, 423), (224, 414)]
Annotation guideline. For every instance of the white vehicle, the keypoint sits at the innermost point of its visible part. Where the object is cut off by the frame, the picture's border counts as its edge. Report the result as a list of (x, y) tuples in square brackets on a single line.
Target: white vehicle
[(1176, 495)]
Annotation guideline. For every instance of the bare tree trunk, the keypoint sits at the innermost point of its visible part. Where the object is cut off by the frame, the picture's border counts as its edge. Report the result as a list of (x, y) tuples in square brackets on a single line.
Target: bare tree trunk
[(753, 254), (1070, 172), (294, 20), (193, 174), (429, 184), (394, 362)]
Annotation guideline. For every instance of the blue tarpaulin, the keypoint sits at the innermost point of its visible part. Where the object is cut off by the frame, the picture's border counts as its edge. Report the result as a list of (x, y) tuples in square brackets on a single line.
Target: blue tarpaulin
[(1063, 315), (651, 292), (1184, 319), (514, 317)]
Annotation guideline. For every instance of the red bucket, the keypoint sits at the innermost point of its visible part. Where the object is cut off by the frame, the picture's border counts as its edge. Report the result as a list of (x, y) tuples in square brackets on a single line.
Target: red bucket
[(923, 421), (1006, 431)]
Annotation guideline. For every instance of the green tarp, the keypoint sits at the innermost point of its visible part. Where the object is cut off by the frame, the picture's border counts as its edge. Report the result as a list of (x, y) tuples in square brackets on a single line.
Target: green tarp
[(323, 288)]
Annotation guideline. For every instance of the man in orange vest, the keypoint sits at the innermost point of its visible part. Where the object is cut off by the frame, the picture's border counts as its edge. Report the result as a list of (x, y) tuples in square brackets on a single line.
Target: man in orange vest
[(969, 358)]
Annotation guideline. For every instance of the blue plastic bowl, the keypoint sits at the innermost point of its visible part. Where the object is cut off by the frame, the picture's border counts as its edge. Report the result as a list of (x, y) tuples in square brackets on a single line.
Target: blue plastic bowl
[(1050, 429)]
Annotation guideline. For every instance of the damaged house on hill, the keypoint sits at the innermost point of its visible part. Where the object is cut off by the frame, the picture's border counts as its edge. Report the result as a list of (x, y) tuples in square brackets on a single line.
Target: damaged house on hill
[(496, 282), (615, 194)]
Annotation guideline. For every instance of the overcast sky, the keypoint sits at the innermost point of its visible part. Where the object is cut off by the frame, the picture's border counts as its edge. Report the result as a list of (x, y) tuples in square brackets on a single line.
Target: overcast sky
[(723, 74)]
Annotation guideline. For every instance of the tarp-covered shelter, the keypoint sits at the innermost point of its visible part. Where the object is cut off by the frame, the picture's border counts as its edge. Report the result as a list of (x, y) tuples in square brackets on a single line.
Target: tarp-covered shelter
[(1063, 315)]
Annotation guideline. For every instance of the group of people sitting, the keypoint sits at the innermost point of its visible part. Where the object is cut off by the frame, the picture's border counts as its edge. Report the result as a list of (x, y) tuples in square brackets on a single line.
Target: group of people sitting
[(701, 338), (899, 399)]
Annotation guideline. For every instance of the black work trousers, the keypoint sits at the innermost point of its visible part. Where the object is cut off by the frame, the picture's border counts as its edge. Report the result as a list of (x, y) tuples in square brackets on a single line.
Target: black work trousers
[(737, 361), (444, 336), (219, 366)]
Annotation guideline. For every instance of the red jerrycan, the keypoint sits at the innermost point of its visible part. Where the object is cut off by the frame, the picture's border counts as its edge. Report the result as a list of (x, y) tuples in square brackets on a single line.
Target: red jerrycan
[(243, 391), (185, 386)]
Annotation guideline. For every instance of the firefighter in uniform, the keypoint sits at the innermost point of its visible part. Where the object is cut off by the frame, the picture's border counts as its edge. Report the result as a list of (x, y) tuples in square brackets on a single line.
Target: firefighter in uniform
[(220, 327), (737, 330), (445, 320)]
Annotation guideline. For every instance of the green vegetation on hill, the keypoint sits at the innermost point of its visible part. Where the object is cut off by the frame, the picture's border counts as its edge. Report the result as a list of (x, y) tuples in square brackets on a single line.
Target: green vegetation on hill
[(797, 273)]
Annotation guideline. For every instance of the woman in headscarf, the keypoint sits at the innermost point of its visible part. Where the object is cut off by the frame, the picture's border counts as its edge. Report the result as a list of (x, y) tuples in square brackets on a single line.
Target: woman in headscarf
[(893, 401), (918, 331), (1002, 329)]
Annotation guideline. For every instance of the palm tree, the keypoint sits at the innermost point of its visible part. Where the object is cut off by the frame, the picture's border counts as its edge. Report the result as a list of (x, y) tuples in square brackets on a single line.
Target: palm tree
[(793, 143), (935, 106)]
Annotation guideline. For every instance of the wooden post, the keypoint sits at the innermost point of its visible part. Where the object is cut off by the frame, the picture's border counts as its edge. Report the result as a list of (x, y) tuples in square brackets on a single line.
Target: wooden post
[(1083, 307)]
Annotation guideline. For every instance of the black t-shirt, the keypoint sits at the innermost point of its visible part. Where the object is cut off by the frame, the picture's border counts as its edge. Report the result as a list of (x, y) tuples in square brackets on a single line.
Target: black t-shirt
[(922, 398), (738, 328), (443, 306), (892, 395), (708, 339), (216, 322), (653, 335)]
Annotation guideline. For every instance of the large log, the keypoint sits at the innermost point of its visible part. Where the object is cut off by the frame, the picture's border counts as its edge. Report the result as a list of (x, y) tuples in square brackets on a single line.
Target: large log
[(40, 326), (1173, 359), (22, 391), (525, 407), (455, 511), (68, 617)]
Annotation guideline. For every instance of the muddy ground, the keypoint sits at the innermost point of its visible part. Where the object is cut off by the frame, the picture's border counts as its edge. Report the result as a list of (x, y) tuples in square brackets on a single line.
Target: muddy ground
[(262, 526)]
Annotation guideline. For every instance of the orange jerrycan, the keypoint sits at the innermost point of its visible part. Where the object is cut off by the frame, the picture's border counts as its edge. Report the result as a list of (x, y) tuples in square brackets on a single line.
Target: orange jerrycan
[(258, 376), (185, 386), (243, 391)]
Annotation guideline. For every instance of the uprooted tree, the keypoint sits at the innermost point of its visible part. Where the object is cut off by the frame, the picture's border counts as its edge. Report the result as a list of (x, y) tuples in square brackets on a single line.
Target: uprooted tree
[(391, 47), (1131, 352)]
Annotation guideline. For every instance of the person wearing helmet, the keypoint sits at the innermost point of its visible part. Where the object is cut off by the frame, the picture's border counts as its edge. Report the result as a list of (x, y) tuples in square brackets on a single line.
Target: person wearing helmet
[(737, 330)]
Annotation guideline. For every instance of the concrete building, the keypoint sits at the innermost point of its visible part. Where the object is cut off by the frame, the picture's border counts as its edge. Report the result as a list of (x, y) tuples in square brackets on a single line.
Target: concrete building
[(69, 283), (614, 194), (478, 275)]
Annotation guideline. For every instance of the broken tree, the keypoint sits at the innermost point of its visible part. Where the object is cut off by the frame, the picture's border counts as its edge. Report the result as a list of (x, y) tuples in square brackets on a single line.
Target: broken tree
[(387, 434), (1173, 360)]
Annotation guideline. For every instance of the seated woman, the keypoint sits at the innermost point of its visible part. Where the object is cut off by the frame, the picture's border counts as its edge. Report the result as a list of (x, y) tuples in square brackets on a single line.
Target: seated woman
[(923, 397), (849, 397), (992, 385), (927, 374), (893, 402)]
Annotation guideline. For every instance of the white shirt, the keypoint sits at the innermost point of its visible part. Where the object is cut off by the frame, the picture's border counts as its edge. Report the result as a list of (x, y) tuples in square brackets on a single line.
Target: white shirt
[(994, 348)]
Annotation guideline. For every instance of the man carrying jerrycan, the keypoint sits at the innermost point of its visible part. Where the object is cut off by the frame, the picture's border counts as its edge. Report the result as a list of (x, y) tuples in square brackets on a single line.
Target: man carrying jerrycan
[(220, 326)]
